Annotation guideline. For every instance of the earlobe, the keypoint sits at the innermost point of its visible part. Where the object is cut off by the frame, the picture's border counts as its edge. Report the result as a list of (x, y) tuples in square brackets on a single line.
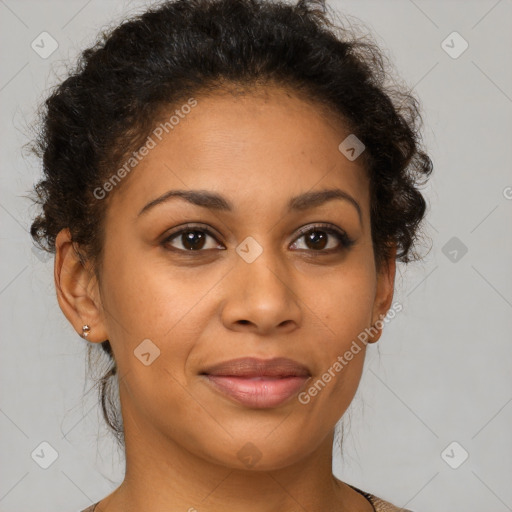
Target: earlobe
[(383, 296), (77, 290)]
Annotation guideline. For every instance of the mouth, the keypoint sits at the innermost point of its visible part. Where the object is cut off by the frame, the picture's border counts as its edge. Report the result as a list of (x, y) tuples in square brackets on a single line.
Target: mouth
[(257, 383)]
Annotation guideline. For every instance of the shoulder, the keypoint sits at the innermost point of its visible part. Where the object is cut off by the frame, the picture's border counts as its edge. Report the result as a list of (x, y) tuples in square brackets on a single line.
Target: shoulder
[(379, 504)]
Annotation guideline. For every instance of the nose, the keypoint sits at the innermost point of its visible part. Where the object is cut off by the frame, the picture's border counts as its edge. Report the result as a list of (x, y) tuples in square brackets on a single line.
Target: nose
[(260, 298)]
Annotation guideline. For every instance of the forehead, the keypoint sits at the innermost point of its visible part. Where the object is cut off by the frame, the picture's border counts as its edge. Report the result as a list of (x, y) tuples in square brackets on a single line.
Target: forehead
[(267, 145)]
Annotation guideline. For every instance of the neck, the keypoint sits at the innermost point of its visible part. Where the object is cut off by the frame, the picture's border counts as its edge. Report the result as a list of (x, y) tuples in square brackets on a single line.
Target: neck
[(162, 476)]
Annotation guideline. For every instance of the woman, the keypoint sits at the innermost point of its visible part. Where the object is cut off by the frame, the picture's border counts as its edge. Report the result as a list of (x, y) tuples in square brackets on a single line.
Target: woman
[(228, 185)]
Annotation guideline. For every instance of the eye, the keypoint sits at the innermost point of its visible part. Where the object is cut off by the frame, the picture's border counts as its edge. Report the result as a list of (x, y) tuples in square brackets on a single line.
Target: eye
[(323, 238), (319, 238), (191, 239)]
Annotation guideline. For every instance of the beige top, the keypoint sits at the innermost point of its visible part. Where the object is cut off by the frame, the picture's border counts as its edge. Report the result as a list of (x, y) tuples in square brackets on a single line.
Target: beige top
[(378, 504)]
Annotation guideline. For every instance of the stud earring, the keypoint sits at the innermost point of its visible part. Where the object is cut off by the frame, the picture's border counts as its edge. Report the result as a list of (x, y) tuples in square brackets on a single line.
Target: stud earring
[(85, 331)]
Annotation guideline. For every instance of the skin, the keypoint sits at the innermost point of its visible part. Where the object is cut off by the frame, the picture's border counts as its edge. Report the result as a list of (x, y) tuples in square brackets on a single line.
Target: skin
[(182, 437)]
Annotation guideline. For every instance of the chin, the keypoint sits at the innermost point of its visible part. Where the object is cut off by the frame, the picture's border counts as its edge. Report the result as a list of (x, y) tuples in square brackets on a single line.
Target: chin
[(260, 454)]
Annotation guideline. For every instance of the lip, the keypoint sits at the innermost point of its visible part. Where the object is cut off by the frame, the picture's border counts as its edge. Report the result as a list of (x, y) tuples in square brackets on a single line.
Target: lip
[(258, 383)]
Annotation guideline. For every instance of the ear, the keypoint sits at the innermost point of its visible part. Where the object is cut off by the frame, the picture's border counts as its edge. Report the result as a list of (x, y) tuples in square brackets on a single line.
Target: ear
[(77, 289), (384, 294)]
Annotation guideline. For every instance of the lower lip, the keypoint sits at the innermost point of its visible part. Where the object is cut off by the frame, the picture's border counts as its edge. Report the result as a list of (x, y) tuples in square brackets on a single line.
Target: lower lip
[(257, 393)]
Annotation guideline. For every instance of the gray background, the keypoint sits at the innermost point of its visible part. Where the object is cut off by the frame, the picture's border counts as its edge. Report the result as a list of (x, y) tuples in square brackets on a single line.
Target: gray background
[(441, 371)]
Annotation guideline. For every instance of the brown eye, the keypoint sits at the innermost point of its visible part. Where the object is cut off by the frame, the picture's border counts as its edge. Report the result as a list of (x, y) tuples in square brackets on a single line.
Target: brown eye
[(316, 240), (323, 239), (191, 240)]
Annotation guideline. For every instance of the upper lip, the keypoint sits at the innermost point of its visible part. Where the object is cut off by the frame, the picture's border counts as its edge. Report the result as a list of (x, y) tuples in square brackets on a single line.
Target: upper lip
[(254, 367)]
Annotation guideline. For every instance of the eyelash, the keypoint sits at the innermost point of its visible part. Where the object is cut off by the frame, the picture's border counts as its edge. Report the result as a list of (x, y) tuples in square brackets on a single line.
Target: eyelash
[(345, 241)]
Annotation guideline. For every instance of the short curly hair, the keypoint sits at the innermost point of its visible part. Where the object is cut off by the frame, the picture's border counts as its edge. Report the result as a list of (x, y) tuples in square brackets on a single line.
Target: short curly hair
[(107, 105)]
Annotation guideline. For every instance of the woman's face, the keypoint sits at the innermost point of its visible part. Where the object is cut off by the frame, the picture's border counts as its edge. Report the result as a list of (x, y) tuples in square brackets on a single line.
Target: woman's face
[(244, 282)]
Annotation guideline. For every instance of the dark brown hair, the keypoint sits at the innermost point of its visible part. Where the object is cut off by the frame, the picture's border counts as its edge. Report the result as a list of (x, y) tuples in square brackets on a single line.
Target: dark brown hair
[(107, 105)]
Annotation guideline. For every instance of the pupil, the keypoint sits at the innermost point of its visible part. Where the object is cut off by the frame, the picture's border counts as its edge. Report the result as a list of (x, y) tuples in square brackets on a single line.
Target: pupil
[(317, 238), (190, 243)]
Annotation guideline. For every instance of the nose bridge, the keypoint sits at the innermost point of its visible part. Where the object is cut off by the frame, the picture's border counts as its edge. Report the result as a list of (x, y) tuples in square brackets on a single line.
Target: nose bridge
[(261, 294)]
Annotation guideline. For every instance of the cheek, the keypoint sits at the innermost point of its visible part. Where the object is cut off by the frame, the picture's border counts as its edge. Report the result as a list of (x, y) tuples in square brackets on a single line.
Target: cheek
[(343, 306), (342, 311), (146, 298), (153, 322)]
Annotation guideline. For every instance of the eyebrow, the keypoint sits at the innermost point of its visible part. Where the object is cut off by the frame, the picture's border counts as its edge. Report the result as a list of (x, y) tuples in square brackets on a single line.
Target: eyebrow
[(207, 199)]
